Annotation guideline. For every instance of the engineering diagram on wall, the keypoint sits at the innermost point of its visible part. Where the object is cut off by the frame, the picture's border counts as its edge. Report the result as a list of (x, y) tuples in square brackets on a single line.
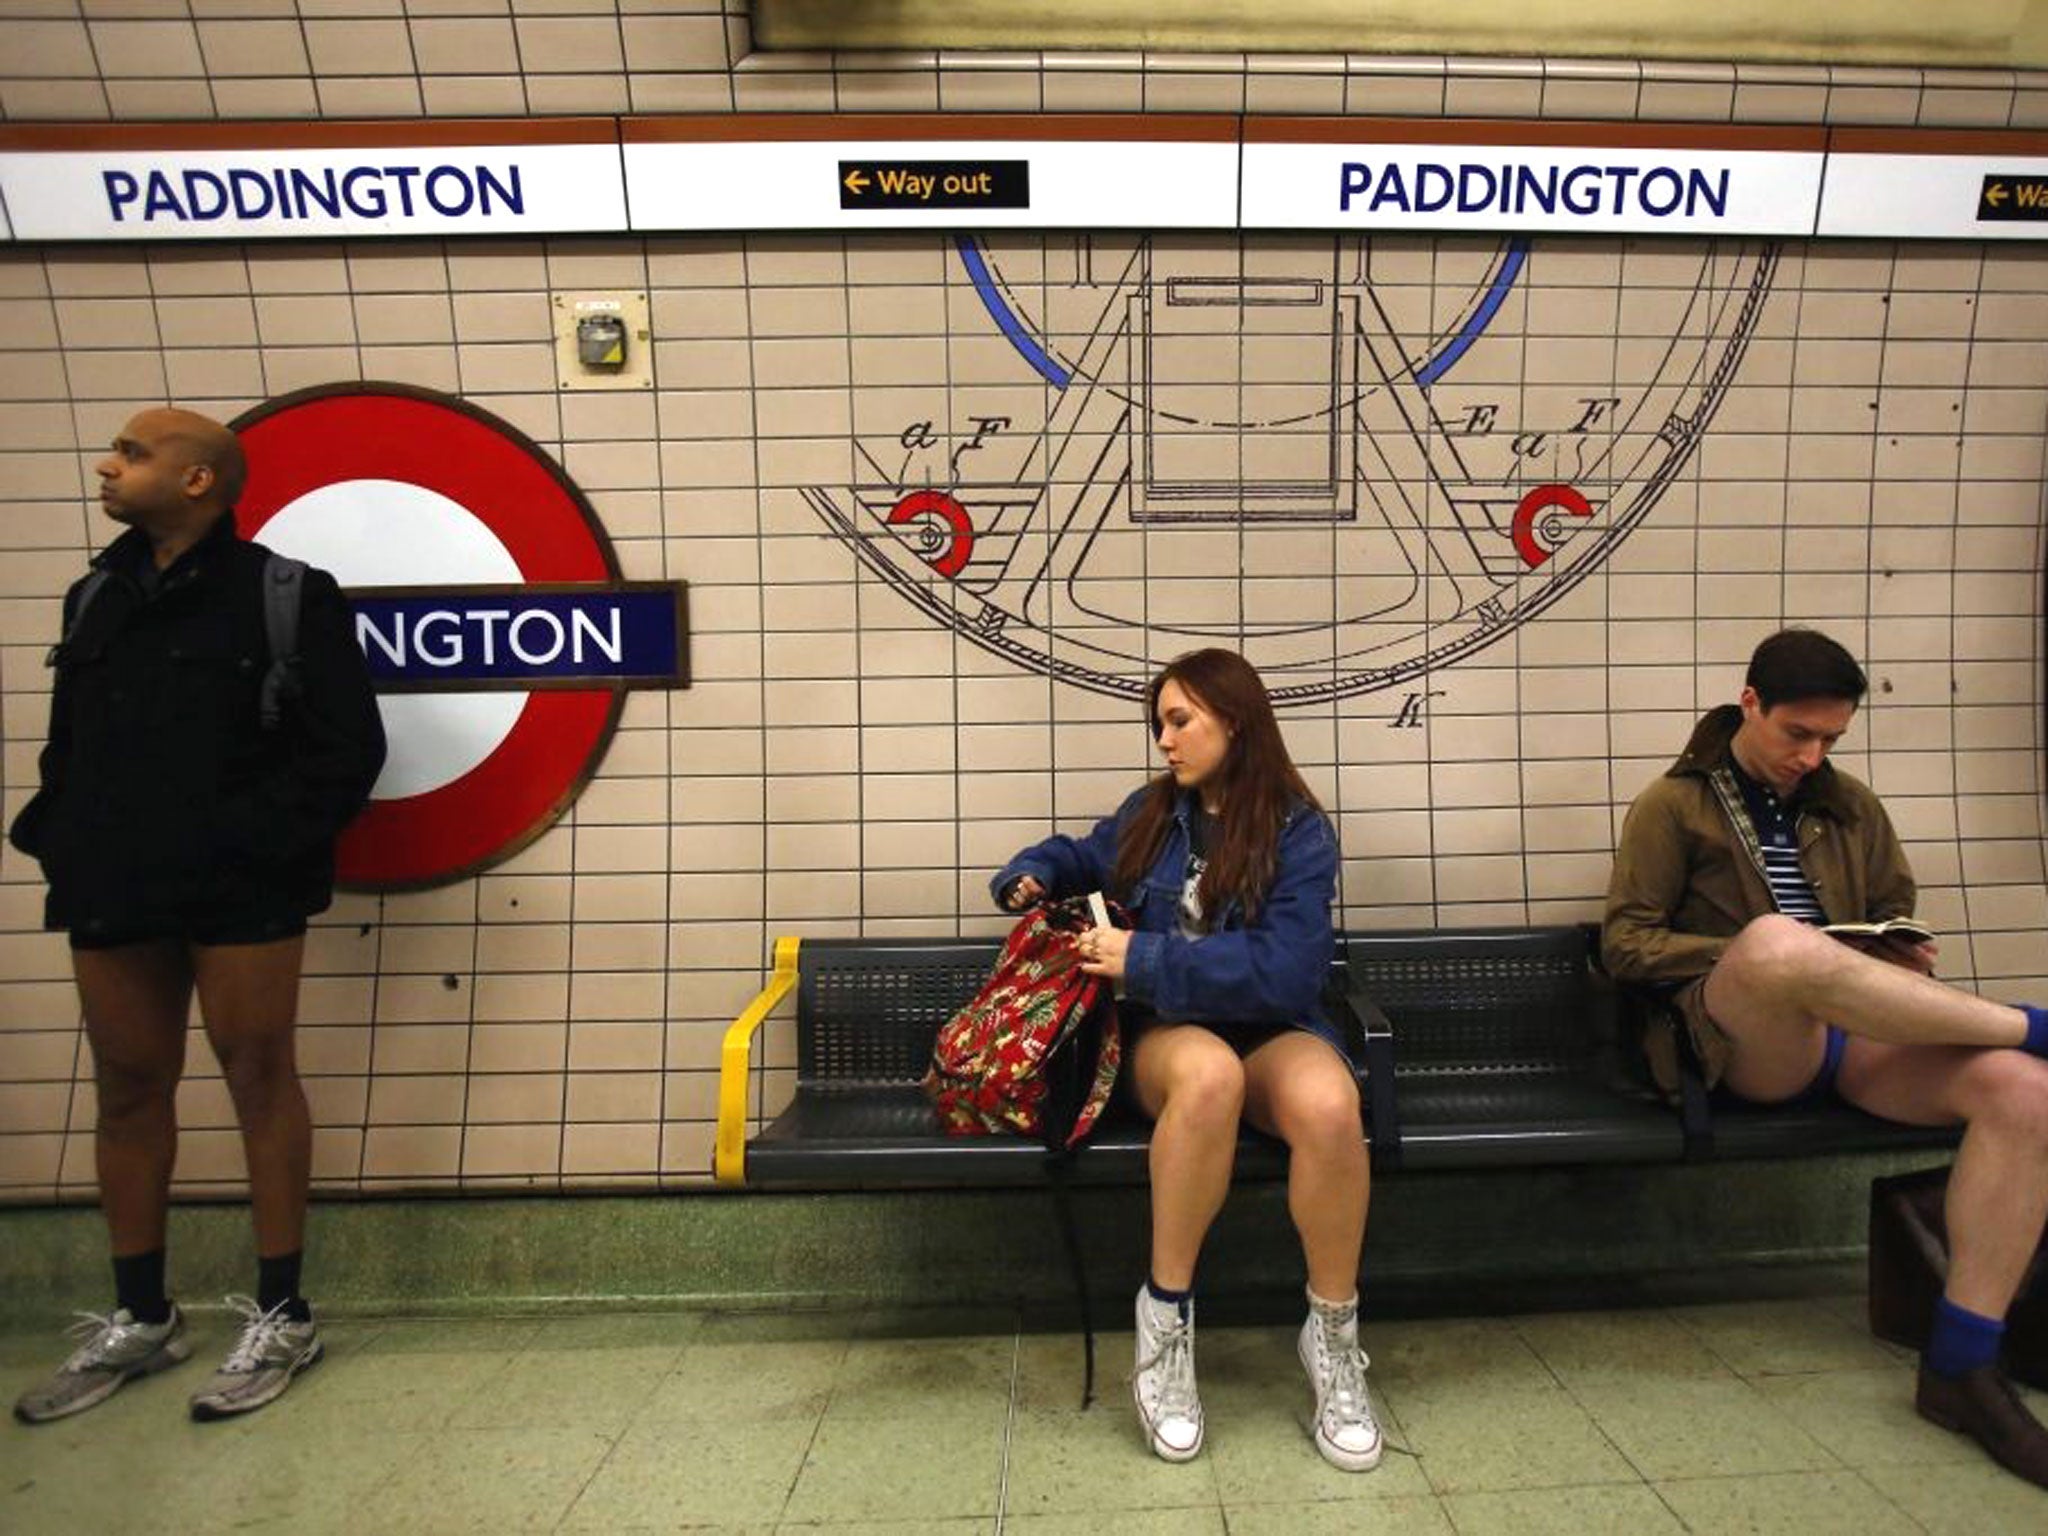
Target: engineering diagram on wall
[(1356, 461)]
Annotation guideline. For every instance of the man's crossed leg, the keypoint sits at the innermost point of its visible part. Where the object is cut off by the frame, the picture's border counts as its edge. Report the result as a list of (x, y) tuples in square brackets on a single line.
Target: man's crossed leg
[(1924, 1053)]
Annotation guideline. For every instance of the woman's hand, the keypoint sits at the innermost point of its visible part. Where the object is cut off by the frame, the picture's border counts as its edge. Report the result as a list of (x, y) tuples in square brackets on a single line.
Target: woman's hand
[(1102, 951), (1024, 891)]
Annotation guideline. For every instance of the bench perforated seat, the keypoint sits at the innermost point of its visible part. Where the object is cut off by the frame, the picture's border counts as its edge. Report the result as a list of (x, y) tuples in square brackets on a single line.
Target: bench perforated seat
[(1505, 1050), (868, 1011)]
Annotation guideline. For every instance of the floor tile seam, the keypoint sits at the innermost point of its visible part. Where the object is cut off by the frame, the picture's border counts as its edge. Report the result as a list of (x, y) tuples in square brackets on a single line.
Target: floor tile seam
[(1889, 1502), (1601, 1429), (1840, 1462), (803, 1462), (1009, 1426), (612, 1444), (1699, 1337), (1515, 1326), (1811, 1471), (1670, 1508)]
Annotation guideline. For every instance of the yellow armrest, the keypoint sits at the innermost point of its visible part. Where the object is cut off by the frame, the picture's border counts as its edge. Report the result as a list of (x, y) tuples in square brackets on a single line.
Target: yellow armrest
[(729, 1155)]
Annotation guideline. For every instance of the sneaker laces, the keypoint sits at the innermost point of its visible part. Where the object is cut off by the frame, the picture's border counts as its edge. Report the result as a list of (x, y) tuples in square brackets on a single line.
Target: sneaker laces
[(1341, 1368), (1174, 1360), (260, 1330), (100, 1331)]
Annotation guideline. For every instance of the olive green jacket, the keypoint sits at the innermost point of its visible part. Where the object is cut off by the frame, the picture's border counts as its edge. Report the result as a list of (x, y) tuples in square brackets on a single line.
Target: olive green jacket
[(1689, 875)]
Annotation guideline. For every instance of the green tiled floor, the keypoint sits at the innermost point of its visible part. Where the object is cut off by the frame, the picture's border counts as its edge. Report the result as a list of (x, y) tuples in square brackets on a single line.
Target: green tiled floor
[(1751, 1416)]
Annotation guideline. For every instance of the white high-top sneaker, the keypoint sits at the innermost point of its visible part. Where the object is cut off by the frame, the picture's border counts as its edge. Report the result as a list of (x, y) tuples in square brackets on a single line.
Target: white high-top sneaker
[(1346, 1432), (1163, 1381)]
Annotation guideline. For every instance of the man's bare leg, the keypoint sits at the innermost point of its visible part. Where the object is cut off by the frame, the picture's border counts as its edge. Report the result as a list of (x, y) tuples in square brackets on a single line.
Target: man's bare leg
[(249, 997), (1997, 1203), (1780, 982), (1998, 1189), (136, 999)]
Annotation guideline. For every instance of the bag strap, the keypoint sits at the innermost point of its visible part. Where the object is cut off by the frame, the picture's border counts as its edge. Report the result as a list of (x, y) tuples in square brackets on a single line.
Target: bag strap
[(1057, 1163), (87, 591), (284, 592)]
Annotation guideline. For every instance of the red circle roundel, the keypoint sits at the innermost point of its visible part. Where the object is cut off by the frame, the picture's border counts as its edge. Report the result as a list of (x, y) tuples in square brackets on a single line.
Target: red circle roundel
[(393, 487)]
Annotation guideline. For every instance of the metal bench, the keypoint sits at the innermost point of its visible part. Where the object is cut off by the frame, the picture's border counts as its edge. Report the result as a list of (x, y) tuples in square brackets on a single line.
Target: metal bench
[(1478, 1048), (867, 1012)]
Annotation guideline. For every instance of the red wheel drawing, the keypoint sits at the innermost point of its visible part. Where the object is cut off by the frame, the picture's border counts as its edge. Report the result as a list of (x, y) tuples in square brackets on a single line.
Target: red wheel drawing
[(1530, 521), (945, 553)]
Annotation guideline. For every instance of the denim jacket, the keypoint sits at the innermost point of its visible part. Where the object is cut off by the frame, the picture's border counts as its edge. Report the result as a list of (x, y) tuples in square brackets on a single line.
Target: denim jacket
[(1270, 970)]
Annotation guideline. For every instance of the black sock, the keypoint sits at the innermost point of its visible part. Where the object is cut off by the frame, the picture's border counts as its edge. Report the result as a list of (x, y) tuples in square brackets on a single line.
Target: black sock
[(139, 1286), (277, 1284), (1178, 1300)]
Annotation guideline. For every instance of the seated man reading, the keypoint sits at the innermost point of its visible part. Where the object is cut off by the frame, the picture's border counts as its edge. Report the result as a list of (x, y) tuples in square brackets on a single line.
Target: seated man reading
[(1729, 865)]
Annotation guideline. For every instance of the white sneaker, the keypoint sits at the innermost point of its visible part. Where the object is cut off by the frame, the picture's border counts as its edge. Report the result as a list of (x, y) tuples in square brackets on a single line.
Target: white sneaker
[(1163, 1381), (269, 1352), (1346, 1432), (116, 1350)]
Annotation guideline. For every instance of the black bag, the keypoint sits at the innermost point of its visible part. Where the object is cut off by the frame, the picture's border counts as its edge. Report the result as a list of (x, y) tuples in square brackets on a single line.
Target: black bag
[(1909, 1266)]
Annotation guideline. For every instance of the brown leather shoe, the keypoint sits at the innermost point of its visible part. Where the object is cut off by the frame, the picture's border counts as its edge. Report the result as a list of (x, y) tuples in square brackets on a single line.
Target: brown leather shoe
[(1985, 1406)]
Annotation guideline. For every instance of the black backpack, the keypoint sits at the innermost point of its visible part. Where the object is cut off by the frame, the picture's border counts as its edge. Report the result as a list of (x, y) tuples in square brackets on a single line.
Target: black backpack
[(284, 593)]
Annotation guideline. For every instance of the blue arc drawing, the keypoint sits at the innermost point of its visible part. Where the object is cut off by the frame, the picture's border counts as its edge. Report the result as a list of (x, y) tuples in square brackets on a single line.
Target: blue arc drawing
[(1355, 459)]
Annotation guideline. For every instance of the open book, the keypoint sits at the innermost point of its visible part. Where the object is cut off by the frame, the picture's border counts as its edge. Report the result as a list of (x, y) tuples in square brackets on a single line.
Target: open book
[(1906, 930)]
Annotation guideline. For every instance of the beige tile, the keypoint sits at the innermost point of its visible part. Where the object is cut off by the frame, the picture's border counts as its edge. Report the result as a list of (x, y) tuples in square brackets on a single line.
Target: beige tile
[(520, 1098), (425, 1100), (56, 100), (1768, 102), (565, 94), (51, 49), (146, 49), (633, 1150), (674, 42), (407, 1153), (102, 322), (368, 96), (252, 47), (474, 45), (564, 45), (784, 91), (528, 1047), (516, 1151), (474, 96), (358, 47)]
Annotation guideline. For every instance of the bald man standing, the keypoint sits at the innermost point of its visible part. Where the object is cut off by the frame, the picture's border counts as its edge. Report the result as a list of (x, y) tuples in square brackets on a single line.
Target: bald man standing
[(187, 834)]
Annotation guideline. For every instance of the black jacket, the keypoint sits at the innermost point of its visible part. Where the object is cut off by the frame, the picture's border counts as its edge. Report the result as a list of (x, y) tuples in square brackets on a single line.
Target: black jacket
[(163, 800)]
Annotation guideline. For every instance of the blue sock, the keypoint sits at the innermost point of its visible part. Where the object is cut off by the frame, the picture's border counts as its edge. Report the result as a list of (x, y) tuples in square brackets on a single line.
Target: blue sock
[(1178, 1300), (2036, 1043), (1961, 1340)]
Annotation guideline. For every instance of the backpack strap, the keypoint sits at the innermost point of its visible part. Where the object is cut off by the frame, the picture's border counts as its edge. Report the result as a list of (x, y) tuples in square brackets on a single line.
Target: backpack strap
[(88, 589), (284, 592), (1058, 1161)]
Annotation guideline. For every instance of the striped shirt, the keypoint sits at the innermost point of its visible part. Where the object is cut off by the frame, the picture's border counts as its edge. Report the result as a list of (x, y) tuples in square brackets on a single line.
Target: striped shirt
[(1777, 833)]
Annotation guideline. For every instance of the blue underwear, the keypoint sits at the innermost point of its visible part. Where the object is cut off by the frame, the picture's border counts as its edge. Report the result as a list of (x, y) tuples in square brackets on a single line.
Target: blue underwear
[(1823, 1082)]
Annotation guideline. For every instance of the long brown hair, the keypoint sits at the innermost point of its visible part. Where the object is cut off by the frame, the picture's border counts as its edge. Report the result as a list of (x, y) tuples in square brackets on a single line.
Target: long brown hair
[(1256, 782)]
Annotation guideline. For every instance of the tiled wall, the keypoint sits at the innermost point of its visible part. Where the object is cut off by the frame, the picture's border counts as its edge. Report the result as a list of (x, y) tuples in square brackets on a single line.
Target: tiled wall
[(850, 761)]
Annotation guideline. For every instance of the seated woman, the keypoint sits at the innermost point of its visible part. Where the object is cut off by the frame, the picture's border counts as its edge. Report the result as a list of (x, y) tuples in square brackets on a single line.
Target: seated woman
[(1228, 867)]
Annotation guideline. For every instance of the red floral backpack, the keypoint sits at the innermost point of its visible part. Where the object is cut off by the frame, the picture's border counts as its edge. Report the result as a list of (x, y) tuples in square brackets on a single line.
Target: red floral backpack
[(1037, 1050)]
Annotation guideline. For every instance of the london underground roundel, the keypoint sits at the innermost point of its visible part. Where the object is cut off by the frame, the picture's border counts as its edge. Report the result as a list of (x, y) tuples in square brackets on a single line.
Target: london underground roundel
[(488, 603)]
